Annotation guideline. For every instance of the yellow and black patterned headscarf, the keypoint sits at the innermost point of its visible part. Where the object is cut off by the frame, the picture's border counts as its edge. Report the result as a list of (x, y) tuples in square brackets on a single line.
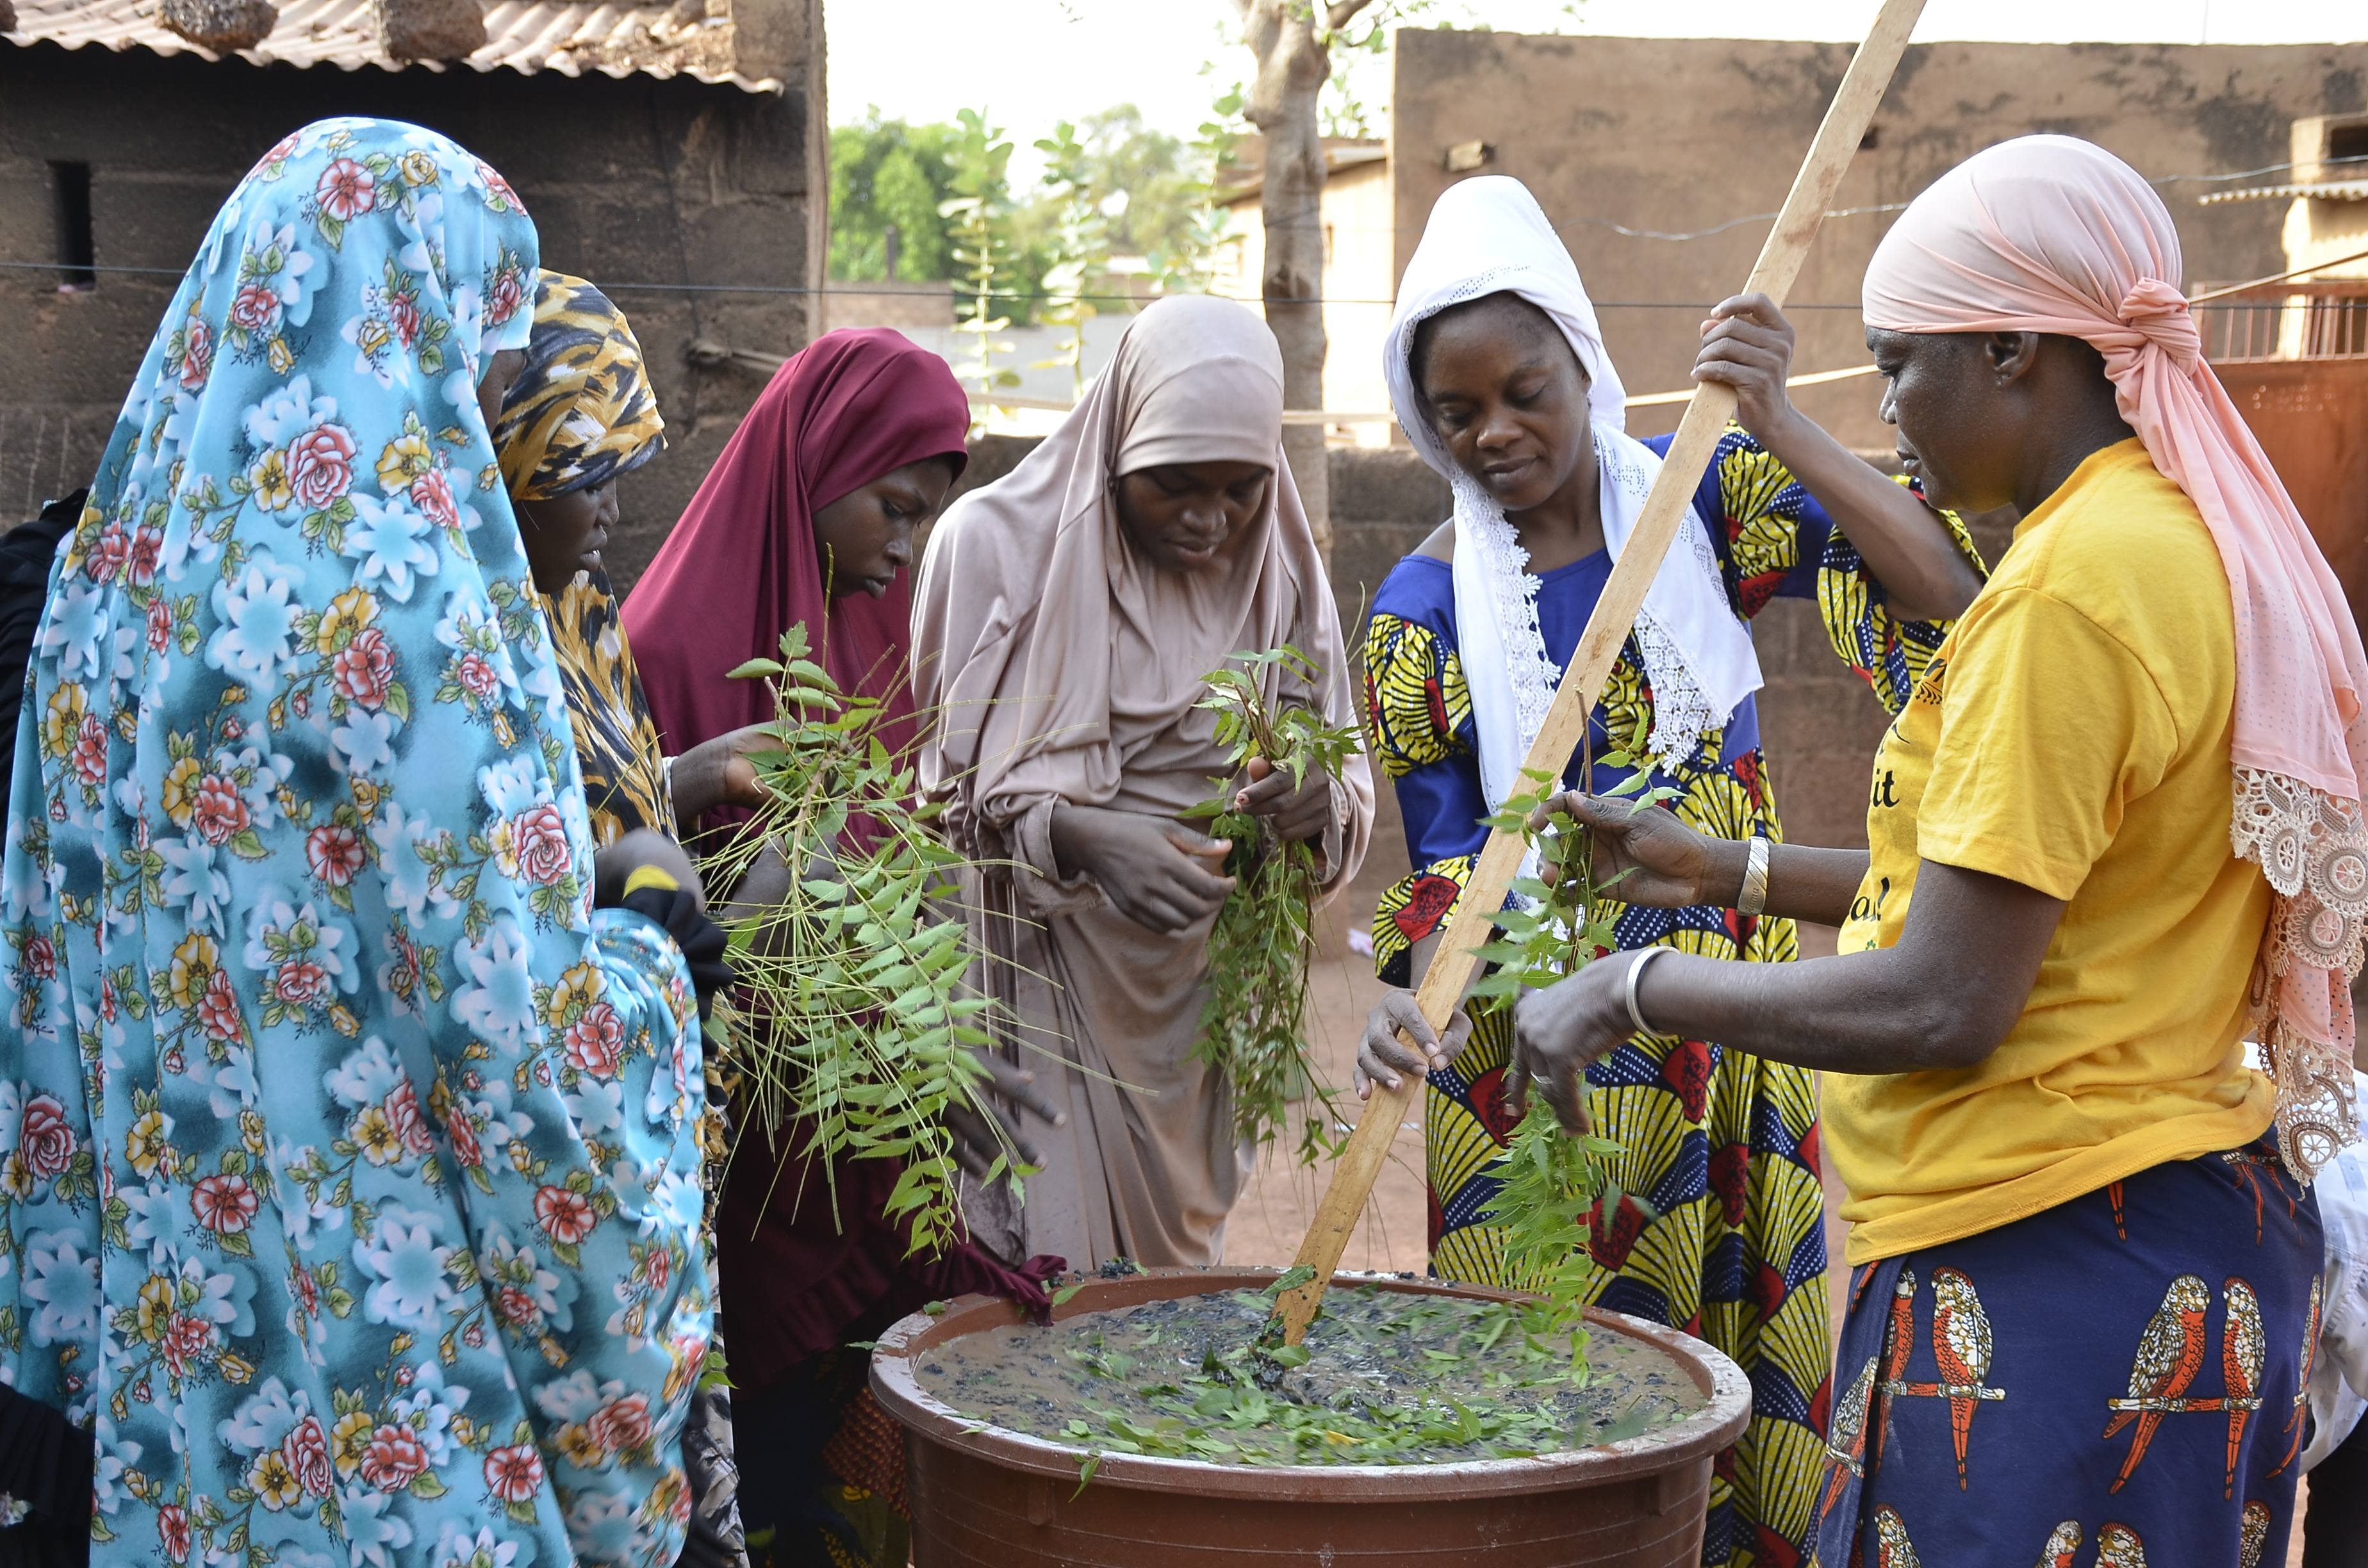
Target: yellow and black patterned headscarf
[(581, 412)]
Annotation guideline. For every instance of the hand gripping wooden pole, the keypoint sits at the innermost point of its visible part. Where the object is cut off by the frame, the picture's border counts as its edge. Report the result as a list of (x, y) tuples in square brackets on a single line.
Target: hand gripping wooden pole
[(1706, 417)]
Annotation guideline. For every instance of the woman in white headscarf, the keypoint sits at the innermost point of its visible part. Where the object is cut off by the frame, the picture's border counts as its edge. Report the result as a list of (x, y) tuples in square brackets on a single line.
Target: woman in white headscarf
[(1067, 614), (1498, 374)]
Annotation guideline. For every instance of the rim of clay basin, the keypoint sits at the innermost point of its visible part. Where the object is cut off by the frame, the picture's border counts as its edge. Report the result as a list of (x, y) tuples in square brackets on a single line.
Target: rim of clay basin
[(1713, 1427)]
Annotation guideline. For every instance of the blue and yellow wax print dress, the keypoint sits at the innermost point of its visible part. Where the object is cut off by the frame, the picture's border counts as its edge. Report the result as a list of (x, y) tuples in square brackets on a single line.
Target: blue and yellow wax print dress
[(1719, 1225)]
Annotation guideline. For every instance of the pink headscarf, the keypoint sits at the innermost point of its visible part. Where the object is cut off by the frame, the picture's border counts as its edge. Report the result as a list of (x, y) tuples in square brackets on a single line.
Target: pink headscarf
[(741, 566), (2053, 235)]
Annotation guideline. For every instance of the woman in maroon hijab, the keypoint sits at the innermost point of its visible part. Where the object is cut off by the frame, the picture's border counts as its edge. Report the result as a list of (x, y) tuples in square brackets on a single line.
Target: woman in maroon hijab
[(809, 517)]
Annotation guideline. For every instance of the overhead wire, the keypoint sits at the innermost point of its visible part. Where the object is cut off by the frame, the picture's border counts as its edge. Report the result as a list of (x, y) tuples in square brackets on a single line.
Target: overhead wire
[(855, 288)]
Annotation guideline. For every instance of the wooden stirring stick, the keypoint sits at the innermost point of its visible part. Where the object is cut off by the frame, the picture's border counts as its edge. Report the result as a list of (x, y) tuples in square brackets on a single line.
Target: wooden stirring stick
[(1706, 417)]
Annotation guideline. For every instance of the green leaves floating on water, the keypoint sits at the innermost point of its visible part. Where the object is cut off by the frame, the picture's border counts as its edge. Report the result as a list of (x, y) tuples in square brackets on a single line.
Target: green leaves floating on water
[(1253, 1025), (1384, 1379), (855, 1020)]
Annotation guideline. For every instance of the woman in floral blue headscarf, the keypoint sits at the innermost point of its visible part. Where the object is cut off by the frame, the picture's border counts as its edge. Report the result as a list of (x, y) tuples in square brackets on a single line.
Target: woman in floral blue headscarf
[(348, 1159)]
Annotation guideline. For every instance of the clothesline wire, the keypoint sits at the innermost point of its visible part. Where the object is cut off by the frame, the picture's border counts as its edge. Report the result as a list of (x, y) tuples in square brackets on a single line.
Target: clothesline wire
[(1013, 295), (908, 294), (1901, 206), (1277, 300)]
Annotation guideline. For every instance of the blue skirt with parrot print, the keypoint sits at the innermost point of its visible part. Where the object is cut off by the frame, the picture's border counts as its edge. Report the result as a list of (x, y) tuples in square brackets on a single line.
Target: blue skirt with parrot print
[(2116, 1380)]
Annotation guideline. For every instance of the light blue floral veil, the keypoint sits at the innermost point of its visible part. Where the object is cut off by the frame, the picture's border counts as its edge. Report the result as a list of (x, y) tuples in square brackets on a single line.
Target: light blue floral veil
[(348, 1159)]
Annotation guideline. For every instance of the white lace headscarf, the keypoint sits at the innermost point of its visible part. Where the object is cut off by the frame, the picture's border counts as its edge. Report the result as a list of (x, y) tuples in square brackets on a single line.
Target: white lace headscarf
[(1488, 236)]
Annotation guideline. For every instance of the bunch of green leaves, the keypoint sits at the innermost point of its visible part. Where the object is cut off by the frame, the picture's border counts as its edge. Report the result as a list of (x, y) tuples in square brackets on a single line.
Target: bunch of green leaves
[(978, 219), (1549, 1186), (855, 1020), (1559, 921), (1253, 1027)]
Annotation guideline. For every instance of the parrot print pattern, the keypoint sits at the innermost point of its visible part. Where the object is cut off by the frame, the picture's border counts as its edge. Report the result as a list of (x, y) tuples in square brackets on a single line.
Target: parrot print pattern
[(2068, 1388)]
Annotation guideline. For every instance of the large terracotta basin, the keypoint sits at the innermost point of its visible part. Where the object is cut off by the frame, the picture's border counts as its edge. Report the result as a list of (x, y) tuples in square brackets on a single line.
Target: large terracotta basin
[(987, 1497)]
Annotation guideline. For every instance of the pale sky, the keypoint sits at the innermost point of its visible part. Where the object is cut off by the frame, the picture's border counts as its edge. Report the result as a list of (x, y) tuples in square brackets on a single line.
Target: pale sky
[(1036, 62)]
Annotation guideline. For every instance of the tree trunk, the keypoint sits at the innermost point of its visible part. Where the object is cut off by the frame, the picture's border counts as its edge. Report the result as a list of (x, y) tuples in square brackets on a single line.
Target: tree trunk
[(1288, 38)]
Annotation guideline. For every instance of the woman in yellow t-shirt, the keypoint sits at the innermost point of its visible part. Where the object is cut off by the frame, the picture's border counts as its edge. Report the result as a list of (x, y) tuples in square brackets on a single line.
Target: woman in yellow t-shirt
[(2115, 831)]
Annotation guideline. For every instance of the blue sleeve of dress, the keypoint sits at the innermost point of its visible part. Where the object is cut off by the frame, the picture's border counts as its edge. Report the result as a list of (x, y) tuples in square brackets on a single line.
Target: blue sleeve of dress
[(1775, 539), (1420, 711), (1758, 563)]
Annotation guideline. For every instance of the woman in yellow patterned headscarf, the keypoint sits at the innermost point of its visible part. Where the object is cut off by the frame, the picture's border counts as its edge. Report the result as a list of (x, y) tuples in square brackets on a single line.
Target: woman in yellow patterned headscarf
[(579, 416)]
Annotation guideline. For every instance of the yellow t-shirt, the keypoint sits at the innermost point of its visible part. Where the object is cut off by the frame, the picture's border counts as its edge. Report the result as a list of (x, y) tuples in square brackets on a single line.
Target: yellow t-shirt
[(2072, 734)]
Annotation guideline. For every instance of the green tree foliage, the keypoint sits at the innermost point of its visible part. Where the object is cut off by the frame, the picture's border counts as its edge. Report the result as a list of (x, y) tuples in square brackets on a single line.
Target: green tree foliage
[(1112, 186), (1162, 179), (1078, 250), (885, 172)]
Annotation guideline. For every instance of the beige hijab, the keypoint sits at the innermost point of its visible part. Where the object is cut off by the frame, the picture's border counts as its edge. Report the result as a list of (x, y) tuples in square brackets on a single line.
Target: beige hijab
[(1030, 594), (1053, 667)]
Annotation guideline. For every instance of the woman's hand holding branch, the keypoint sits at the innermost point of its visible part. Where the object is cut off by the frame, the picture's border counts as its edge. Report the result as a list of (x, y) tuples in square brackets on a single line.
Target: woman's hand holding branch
[(1298, 811), (718, 773)]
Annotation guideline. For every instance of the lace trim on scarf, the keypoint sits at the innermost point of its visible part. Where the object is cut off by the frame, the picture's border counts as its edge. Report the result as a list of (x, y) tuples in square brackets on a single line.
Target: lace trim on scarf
[(1513, 590), (2314, 850), (1681, 710), (1489, 282)]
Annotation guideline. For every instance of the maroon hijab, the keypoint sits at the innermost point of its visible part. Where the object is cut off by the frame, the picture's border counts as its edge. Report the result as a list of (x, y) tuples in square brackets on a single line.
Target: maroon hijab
[(802, 1272), (741, 566)]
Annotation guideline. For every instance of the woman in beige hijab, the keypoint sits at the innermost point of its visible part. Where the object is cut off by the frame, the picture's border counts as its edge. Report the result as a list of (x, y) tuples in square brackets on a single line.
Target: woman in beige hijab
[(1067, 617)]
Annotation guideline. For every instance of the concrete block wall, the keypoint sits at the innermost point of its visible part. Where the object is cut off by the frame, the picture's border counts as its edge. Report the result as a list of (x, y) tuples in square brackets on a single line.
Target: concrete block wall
[(1665, 136), (634, 182)]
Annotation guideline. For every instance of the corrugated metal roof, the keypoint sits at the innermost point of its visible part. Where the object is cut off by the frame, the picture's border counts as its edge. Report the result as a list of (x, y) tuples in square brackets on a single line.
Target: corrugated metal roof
[(520, 35), (2324, 190)]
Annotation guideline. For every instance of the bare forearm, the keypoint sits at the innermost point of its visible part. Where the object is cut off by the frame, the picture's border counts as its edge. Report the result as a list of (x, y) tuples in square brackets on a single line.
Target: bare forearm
[(1859, 1013), (1932, 1001), (1924, 576), (1803, 882)]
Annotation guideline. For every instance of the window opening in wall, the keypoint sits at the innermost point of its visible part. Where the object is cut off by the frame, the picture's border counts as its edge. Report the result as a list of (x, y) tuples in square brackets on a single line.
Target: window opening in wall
[(2347, 142), (76, 252)]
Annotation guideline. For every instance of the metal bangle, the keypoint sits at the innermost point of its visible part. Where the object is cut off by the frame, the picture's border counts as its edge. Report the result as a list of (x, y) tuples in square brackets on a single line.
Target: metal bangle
[(1635, 972), (1754, 898)]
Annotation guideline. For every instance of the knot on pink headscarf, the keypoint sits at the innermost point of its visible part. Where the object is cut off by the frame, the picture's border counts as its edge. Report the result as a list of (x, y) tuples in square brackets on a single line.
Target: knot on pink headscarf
[(2159, 311)]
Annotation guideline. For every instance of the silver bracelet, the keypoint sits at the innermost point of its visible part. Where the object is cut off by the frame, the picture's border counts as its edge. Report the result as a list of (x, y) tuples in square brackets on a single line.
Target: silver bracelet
[(1754, 898), (1635, 972)]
